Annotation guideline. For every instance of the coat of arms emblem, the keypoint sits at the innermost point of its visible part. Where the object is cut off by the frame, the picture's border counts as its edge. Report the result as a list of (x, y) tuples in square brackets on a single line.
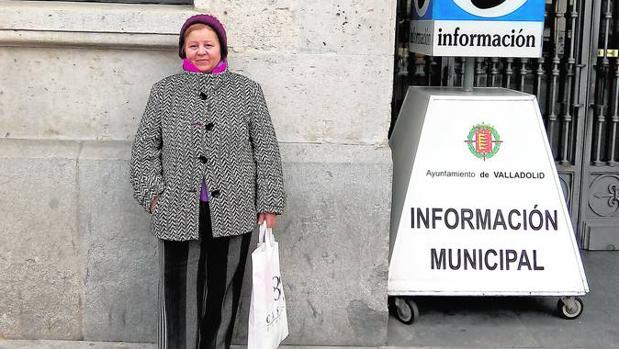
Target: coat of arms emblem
[(483, 141)]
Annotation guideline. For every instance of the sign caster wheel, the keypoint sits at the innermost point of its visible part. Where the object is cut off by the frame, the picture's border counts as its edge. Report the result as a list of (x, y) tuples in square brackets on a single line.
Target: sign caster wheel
[(404, 309), (570, 308)]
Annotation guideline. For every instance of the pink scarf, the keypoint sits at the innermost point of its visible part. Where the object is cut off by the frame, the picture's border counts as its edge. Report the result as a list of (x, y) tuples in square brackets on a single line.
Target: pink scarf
[(219, 68)]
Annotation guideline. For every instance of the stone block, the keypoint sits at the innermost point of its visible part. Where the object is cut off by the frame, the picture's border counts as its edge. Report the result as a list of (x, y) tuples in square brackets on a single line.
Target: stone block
[(40, 264), (56, 344), (100, 95), (77, 94), (325, 99), (120, 253), (348, 27), (101, 17)]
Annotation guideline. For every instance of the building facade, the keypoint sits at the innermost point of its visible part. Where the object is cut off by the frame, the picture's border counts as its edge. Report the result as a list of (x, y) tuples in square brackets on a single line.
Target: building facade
[(77, 258)]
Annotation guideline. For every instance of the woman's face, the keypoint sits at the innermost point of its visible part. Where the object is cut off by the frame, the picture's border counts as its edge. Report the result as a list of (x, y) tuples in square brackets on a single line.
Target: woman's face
[(202, 48)]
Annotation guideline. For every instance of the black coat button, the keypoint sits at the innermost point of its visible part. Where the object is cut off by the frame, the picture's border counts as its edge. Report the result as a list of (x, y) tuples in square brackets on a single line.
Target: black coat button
[(215, 193), (203, 159), (209, 126), (202, 95)]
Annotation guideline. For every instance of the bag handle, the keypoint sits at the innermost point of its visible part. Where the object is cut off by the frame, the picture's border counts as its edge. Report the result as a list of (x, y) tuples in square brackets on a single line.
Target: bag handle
[(266, 234)]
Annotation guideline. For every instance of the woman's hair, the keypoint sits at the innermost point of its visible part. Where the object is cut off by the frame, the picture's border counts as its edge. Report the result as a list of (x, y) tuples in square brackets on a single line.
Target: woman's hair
[(197, 26)]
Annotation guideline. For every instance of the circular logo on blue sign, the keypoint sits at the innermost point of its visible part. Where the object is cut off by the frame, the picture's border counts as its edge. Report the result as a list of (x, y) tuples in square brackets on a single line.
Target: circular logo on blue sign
[(490, 8), (421, 6)]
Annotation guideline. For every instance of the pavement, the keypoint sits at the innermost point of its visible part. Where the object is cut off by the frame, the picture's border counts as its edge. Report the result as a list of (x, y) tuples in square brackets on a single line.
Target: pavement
[(476, 322), (47, 344), (50, 344)]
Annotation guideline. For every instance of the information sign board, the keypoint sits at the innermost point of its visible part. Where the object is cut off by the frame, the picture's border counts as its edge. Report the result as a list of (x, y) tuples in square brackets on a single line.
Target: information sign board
[(477, 28), (478, 208)]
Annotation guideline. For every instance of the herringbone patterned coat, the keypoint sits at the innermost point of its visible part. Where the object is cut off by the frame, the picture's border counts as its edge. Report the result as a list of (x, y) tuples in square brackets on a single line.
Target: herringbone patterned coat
[(211, 126)]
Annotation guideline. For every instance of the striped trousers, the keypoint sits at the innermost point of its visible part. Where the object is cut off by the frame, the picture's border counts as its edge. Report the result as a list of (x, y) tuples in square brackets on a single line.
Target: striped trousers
[(199, 288)]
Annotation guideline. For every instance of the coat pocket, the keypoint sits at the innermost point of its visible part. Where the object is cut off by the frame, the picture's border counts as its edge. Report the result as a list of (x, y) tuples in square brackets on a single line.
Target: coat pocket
[(160, 203)]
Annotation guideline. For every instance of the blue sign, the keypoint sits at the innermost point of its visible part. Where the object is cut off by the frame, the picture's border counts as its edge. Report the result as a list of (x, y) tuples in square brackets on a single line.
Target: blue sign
[(477, 28), (479, 10)]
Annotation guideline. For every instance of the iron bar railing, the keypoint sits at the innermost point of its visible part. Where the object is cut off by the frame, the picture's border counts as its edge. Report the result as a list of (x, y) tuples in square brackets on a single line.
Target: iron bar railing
[(523, 74), (479, 72), (554, 82), (601, 89), (614, 119), (540, 73), (509, 72), (494, 71), (570, 70)]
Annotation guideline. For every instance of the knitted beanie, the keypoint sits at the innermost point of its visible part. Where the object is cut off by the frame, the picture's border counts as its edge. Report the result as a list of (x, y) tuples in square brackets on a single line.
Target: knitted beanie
[(212, 22)]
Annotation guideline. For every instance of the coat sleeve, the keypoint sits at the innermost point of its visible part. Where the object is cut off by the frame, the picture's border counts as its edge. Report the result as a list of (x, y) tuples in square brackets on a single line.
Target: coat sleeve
[(270, 194), (145, 171)]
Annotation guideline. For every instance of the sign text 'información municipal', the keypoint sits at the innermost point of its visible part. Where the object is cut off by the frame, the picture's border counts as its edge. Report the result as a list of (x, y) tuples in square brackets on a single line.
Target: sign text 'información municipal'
[(482, 209)]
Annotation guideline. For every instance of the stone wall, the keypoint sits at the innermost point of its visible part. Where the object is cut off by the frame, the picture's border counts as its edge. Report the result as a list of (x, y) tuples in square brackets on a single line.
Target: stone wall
[(77, 258)]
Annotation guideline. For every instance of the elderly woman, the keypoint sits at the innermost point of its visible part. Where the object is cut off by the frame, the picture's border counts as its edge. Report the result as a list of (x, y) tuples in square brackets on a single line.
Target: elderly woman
[(205, 164)]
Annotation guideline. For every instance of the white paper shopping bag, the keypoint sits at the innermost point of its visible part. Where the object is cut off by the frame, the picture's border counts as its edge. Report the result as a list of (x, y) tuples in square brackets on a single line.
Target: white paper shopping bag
[(268, 322)]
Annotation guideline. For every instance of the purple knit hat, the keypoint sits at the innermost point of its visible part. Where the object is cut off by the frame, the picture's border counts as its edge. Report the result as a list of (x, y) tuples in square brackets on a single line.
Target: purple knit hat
[(212, 22)]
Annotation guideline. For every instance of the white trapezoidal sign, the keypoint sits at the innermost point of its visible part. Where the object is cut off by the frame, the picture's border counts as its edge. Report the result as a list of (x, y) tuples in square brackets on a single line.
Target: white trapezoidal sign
[(478, 207)]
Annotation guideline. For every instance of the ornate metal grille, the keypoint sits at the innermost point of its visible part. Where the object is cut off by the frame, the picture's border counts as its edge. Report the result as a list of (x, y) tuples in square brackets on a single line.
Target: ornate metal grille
[(600, 188)]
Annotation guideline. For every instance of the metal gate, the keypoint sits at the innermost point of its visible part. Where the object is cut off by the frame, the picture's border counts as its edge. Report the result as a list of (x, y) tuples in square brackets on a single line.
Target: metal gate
[(577, 85)]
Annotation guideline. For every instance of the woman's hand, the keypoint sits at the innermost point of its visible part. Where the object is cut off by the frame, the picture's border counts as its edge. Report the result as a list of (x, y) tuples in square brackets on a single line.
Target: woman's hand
[(269, 217), (153, 203)]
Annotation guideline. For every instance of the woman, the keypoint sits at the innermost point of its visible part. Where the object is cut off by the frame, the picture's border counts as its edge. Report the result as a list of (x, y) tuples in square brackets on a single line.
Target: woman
[(206, 165)]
